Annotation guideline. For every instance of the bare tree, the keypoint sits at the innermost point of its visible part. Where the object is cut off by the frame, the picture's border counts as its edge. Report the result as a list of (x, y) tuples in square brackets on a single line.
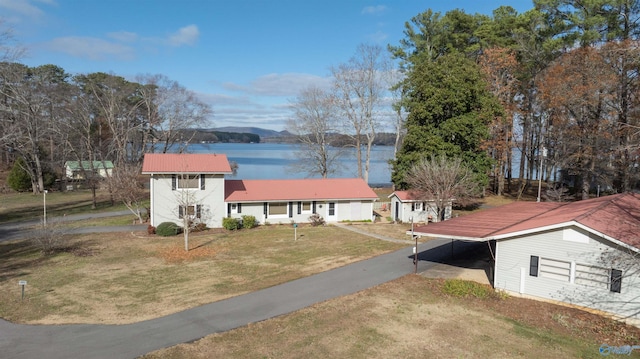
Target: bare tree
[(359, 87), (171, 108), (30, 108), (127, 188), (189, 210), (314, 123), (443, 181)]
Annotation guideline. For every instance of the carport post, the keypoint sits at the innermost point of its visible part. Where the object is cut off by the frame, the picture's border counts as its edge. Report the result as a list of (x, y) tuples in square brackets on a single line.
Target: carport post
[(415, 249), (451, 248)]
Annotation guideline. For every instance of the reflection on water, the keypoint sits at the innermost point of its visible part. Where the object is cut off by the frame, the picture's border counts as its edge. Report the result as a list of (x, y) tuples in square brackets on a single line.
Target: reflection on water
[(274, 160)]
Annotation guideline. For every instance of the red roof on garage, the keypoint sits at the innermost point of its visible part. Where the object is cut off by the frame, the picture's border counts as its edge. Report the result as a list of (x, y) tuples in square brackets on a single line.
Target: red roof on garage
[(616, 216), (297, 189)]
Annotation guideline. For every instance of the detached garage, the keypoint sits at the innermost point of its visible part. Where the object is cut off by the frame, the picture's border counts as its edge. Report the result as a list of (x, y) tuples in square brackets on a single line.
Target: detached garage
[(581, 253)]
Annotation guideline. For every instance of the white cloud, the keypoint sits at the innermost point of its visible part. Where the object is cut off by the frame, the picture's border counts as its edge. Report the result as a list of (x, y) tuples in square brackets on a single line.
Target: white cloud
[(378, 37), (23, 7), (91, 48), (374, 10), (288, 84), (187, 35), (123, 36)]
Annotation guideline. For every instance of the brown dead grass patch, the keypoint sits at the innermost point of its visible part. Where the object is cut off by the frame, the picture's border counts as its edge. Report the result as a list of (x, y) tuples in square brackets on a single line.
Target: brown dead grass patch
[(410, 318), (176, 254)]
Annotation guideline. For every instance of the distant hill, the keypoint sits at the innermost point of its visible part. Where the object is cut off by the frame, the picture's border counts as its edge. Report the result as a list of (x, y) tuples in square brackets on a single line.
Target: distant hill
[(263, 133)]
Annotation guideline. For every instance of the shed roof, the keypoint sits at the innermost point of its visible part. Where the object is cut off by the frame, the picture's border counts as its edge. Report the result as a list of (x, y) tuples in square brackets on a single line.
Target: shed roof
[(297, 190), (407, 196), (76, 165), (185, 163), (616, 216)]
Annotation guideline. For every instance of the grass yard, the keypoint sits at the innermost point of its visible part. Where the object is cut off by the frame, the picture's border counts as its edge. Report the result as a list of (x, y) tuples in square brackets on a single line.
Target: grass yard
[(23, 206), (416, 317), (122, 277)]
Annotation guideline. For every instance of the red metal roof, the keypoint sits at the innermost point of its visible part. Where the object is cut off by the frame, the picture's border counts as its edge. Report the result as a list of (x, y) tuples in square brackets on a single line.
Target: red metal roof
[(403, 195), (297, 189), (185, 163), (616, 216)]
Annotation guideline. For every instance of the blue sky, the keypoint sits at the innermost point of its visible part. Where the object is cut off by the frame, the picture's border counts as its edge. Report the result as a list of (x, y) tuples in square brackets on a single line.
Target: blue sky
[(247, 58)]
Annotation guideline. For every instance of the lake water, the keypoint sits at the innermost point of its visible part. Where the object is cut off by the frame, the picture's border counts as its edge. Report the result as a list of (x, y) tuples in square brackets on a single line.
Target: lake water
[(274, 160)]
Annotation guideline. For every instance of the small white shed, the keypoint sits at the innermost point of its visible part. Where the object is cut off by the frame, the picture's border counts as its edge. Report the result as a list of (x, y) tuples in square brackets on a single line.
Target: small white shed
[(405, 205)]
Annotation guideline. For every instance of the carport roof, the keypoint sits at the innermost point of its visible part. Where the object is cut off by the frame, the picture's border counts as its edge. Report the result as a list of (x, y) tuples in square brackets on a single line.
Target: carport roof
[(616, 216)]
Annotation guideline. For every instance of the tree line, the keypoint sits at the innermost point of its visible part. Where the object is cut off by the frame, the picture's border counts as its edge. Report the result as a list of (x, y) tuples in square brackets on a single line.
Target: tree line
[(48, 117), (559, 80), (552, 92)]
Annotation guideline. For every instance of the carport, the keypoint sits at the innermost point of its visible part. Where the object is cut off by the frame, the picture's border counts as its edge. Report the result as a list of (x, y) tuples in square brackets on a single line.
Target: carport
[(472, 240)]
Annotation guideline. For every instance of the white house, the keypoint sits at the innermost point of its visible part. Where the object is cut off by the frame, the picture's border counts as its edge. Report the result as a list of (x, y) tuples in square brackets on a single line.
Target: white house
[(404, 206), (194, 184), (582, 253), (82, 169)]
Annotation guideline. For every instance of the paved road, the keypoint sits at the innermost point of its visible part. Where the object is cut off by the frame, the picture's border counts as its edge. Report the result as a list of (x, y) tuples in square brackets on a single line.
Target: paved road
[(132, 340), (19, 230)]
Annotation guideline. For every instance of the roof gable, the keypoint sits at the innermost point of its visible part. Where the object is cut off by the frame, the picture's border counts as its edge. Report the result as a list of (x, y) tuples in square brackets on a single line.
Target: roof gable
[(615, 216), (297, 189), (185, 163)]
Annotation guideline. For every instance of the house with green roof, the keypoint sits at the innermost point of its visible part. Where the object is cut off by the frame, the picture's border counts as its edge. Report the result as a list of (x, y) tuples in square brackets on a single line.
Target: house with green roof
[(80, 170)]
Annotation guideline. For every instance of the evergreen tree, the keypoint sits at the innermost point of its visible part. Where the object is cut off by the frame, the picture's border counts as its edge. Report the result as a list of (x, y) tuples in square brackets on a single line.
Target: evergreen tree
[(449, 108)]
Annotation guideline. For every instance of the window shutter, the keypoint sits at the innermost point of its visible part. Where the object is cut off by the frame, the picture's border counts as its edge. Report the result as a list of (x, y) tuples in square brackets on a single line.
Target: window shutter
[(616, 280), (202, 176), (533, 266), (264, 209), (180, 212), (198, 211), (299, 207), (314, 207), (239, 207), (413, 206), (173, 182), (228, 209), (290, 209)]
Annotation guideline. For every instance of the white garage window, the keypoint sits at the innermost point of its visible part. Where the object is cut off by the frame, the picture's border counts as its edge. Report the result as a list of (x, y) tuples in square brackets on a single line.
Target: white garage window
[(555, 269), (592, 276)]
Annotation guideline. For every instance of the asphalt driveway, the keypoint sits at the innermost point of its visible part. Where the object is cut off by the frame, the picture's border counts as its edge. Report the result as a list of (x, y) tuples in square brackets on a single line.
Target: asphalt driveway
[(21, 341)]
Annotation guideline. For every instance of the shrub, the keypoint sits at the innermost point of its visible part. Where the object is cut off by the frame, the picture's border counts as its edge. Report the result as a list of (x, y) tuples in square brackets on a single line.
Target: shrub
[(151, 229), (249, 222), (199, 227), (316, 220), (230, 224), (166, 229), (464, 289), (19, 179)]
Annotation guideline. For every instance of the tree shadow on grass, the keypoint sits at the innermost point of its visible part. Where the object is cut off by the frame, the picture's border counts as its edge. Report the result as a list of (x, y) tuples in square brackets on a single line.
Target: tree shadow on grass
[(18, 259)]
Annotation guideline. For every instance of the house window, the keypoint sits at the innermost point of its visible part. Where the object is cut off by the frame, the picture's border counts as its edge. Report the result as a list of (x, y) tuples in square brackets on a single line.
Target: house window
[(278, 208), (306, 207), (193, 211), (533, 266), (616, 281), (332, 209), (555, 269), (417, 206), (188, 181)]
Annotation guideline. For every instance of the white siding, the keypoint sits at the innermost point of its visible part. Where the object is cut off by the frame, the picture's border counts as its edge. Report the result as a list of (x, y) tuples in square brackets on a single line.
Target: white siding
[(345, 210), (164, 200), (574, 267)]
